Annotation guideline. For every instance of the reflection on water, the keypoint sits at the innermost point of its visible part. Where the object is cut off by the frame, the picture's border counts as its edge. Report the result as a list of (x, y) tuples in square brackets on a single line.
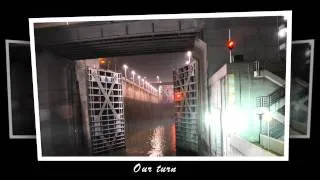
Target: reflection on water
[(173, 137), (149, 138), (157, 142)]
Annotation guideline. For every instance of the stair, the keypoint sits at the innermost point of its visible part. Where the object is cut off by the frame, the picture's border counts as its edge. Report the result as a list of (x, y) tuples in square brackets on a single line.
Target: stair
[(299, 105), (278, 105), (301, 82), (282, 110), (276, 129), (299, 95), (303, 99), (275, 103), (272, 77), (278, 116)]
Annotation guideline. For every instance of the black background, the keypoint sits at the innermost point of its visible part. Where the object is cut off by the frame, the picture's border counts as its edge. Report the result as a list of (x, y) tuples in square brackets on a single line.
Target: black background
[(20, 156)]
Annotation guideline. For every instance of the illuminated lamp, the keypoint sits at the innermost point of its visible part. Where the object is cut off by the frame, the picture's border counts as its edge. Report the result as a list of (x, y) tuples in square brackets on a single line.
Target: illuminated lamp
[(230, 44)]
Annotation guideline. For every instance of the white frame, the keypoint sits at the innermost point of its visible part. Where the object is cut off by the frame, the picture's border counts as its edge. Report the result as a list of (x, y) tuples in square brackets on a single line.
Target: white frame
[(311, 42), (286, 14), (11, 135)]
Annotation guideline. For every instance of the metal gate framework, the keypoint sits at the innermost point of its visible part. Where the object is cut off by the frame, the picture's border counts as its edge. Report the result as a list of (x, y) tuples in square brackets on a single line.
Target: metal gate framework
[(187, 112), (105, 110)]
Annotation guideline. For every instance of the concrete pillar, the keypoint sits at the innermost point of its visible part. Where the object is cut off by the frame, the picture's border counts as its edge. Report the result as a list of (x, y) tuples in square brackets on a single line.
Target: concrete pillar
[(81, 76), (200, 54)]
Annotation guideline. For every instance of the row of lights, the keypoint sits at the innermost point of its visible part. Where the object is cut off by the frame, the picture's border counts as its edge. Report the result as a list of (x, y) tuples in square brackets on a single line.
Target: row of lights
[(145, 83), (282, 33), (282, 29)]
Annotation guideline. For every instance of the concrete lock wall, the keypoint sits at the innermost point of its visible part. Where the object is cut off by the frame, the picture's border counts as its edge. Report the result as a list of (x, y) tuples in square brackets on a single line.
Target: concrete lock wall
[(82, 77), (142, 105), (245, 148), (275, 145), (200, 55), (55, 104), (136, 110), (247, 89), (240, 93)]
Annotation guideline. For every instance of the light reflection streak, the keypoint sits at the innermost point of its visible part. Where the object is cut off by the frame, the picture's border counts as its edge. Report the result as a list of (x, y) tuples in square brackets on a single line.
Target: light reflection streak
[(157, 142)]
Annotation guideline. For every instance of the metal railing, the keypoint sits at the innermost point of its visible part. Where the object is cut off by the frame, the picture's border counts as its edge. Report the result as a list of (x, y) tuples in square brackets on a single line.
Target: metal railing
[(274, 67), (277, 95), (263, 101), (256, 66), (274, 97)]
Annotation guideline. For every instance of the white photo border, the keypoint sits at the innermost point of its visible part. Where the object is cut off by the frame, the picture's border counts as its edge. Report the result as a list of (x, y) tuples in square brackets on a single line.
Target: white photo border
[(7, 44), (286, 14), (311, 42)]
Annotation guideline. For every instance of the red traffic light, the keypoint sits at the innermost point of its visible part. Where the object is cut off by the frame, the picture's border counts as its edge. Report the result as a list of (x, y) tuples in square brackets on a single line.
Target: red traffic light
[(230, 44), (178, 96)]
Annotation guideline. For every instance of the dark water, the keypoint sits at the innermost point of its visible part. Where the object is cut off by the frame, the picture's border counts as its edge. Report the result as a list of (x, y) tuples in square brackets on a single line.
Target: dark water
[(149, 138)]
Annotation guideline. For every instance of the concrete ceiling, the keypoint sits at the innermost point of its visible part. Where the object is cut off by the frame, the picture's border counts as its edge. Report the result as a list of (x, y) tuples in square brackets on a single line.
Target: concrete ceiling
[(92, 40), (126, 47)]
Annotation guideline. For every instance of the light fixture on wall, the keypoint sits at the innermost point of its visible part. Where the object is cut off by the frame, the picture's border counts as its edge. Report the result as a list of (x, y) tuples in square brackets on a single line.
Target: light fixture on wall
[(125, 67), (133, 73), (282, 31), (189, 54)]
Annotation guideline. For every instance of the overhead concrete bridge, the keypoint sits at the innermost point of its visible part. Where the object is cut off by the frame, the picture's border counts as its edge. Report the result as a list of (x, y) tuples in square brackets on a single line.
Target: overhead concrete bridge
[(87, 40)]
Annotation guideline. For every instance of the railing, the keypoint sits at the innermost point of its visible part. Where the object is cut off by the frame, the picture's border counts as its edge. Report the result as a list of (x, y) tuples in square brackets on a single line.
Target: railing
[(275, 67), (256, 66), (267, 101), (263, 101), (275, 130), (277, 95)]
